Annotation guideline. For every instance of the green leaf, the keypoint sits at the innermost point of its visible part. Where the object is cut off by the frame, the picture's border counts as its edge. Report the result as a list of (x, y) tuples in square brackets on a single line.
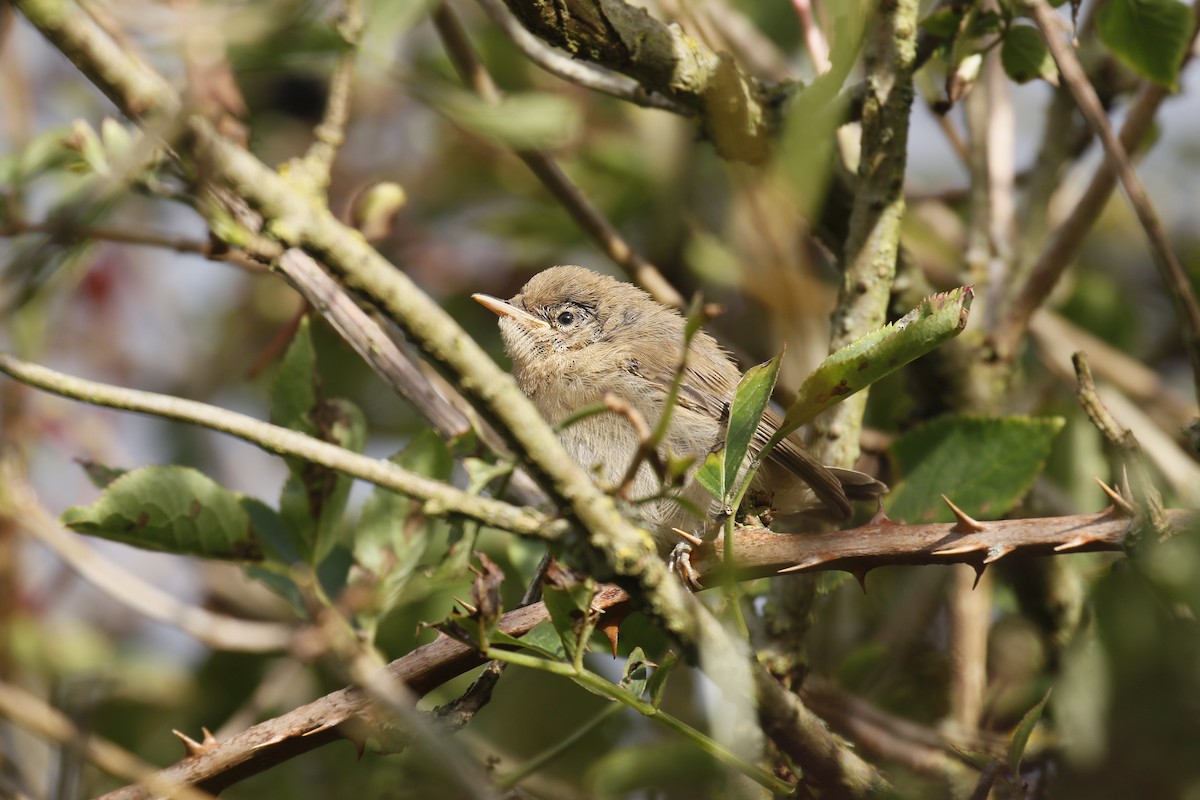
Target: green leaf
[(637, 673), (386, 540), (711, 474), (313, 498), (569, 602), (749, 401), (342, 423), (943, 22), (1020, 735), (984, 464), (861, 363), (543, 639), (523, 121), (293, 390), (1025, 56), (1150, 36), (173, 509)]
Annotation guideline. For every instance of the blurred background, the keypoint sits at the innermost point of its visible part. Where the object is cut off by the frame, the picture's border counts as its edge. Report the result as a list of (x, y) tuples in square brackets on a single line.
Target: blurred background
[(1124, 671)]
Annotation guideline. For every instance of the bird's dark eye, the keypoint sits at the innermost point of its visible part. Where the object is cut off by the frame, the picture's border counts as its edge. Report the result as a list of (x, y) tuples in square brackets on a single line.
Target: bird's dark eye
[(566, 319)]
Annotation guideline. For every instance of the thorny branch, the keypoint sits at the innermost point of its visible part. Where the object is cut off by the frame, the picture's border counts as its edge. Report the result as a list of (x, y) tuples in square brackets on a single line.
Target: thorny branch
[(761, 552)]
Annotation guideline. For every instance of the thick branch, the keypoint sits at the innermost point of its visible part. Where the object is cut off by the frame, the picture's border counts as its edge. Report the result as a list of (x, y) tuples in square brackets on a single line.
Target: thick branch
[(735, 110), (872, 244)]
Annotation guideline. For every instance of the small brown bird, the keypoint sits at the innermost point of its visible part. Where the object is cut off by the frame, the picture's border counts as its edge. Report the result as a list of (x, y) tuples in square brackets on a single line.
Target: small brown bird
[(574, 335)]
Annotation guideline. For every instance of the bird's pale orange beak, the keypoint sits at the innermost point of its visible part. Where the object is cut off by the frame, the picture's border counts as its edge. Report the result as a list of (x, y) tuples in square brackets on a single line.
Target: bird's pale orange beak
[(504, 308)]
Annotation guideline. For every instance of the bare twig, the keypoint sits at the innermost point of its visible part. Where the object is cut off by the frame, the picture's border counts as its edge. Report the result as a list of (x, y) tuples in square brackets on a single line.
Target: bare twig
[(1170, 270), (441, 498), (1064, 243), (213, 251), (1147, 497), (1060, 338), (317, 163)]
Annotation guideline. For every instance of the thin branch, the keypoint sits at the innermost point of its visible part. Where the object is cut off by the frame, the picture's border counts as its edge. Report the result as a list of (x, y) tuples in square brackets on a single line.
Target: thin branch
[(1145, 494), (579, 73), (371, 342), (1174, 278), (440, 498), (589, 218), (32, 714), (760, 553), (317, 162), (213, 251), (1170, 270), (218, 631), (892, 738)]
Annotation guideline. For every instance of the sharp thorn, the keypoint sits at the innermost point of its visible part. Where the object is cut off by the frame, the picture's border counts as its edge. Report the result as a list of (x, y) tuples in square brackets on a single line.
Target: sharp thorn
[(997, 552), (322, 727), (470, 608), (1078, 541), (860, 575), (1119, 502), (965, 524), (611, 632), (193, 747), (807, 563), (880, 516), (960, 549), (979, 570), (691, 538)]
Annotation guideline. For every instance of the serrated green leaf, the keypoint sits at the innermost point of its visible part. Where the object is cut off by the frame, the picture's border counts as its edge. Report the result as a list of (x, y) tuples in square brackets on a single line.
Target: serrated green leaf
[(984, 464), (1150, 36), (173, 509), (522, 121), (861, 363), (1020, 735), (745, 412), (711, 474), (1025, 56)]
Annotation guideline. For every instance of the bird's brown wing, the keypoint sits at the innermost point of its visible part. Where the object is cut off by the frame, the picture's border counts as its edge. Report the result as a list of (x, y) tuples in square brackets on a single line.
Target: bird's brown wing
[(710, 392)]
